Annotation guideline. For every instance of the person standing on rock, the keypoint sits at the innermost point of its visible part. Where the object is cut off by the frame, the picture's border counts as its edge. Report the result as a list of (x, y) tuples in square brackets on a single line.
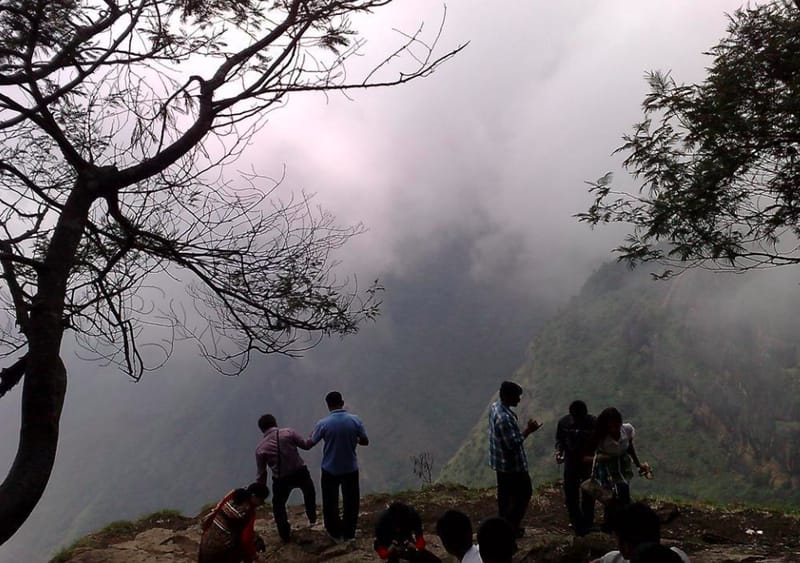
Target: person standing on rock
[(342, 432), (507, 456), (278, 451), (574, 444)]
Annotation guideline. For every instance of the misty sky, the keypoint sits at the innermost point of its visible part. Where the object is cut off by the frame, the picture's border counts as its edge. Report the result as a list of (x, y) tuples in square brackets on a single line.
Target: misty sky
[(493, 149), (497, 144)]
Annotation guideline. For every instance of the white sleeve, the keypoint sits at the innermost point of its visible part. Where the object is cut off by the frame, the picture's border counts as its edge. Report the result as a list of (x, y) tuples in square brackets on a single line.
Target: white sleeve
[(681, 554), (612, 557), (630, 431)]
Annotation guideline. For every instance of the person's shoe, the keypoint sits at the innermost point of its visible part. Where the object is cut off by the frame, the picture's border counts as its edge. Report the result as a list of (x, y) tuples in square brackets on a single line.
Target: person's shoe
[(349, 542), (336, 539)]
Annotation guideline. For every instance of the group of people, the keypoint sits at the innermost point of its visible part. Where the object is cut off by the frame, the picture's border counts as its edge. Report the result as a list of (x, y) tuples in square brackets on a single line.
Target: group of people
[(399, 537), (228, 534), (595, 453), (598, 455)]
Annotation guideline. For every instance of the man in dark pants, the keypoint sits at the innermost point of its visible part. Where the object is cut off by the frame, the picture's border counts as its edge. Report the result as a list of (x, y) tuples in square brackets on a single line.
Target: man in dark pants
[(341, 432), (278, 450), (573, 446), (507, 456)]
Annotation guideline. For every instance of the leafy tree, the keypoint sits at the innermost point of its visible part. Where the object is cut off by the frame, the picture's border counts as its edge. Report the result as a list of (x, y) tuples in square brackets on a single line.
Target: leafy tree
[(115, 117), (718, 161)]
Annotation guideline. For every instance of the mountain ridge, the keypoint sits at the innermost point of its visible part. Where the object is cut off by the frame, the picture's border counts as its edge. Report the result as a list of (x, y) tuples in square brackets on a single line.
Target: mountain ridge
[(707, 375)]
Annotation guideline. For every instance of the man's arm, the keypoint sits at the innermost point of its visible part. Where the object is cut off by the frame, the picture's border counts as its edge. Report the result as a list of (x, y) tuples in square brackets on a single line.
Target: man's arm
[(510, 436), (316, 435), (361, 437), (300, 442), (261, 466), (561, 435), (531, 427)]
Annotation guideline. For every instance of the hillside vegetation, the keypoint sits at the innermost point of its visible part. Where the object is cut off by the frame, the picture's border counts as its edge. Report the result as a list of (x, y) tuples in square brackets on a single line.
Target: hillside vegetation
[(705, 367)]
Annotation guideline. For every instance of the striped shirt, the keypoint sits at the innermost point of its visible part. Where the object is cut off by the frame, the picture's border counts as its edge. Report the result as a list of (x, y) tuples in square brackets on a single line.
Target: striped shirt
[(506, 450)]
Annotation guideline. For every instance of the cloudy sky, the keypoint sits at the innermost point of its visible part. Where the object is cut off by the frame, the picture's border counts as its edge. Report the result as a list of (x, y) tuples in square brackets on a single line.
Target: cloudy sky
[(489, 154), (496, 145)]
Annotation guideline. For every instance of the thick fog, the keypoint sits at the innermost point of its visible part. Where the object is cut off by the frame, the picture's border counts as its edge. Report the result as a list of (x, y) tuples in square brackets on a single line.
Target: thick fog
[(467, 182)]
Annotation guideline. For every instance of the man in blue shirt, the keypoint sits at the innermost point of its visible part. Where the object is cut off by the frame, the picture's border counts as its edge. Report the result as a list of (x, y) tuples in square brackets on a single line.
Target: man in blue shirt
[(341, 432), (507, 456)]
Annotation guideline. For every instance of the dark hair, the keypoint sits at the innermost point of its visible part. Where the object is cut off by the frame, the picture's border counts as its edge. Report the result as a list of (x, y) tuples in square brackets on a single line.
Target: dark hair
[(334, 400), (496, 540), (638, 524), (266, 422), (399, 523), (510, 389), (578, 409), (240, 496), (455, 530), (604, 419), (258, 490)]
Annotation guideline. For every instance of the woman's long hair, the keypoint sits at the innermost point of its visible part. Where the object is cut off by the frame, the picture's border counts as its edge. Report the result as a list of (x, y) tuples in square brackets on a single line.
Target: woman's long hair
[(604, 420)]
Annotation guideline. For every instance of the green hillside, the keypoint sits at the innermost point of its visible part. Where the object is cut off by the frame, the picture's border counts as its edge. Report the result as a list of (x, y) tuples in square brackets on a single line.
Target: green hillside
[(705, 367)]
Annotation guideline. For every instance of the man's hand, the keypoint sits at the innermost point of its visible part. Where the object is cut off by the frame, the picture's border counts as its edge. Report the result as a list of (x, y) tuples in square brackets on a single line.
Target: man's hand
[(532, 426)]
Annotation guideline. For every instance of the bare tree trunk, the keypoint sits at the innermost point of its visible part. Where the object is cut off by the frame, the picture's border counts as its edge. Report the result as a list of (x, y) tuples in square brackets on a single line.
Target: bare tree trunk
[(45, 381), (42, 399)]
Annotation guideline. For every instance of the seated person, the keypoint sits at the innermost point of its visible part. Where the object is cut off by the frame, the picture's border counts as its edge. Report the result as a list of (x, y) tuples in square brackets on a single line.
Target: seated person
[(228, 530), (496, 541), (398, 535), (638, 532), (455, 530)]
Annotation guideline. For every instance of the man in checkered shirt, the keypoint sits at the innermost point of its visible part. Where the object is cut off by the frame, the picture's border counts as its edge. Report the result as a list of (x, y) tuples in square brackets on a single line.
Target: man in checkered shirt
[(507, 456)]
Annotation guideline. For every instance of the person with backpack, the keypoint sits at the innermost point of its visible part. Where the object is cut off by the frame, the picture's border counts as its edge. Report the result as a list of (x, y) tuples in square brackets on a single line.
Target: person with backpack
[(574, 434), (278, 451)]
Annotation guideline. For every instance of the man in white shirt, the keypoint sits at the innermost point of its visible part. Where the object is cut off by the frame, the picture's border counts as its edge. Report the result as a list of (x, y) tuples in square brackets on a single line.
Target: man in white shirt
[(455, 530)]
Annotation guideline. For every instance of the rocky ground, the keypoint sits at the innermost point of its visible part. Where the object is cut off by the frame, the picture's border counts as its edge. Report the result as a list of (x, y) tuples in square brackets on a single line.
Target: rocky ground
[(707, 534)]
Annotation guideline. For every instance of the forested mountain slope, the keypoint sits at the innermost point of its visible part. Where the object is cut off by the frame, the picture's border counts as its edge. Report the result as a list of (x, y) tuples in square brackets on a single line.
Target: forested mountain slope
[(705, 366)]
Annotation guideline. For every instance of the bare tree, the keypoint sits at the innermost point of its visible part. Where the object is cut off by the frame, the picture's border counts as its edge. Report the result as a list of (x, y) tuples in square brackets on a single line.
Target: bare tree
[(423, 468), (115, 118)]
